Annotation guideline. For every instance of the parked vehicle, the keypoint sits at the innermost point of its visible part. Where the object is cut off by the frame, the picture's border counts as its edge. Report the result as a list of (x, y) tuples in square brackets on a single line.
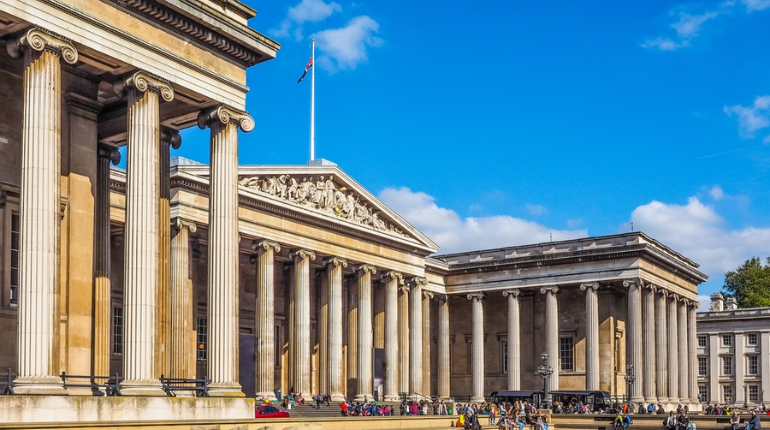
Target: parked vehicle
[(269, 411), (534, 398), (596, 400)]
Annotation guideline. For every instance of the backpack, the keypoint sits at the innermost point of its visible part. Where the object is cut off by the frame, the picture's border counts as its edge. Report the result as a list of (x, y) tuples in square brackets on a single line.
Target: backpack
[(651, 408)]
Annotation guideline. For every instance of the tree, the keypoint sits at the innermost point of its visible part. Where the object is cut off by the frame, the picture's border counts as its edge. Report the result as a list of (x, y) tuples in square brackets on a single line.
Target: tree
[(749, 284)]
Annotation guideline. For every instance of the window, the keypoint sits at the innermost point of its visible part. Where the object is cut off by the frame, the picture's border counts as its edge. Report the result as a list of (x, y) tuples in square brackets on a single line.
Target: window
[(727, 340), (504, 348), (727, 394), (15, 259), (702, 366), (566, 354), (202, 334), (702, 341), (703, 393), (753, 364), (753, 394), (752, 339), (117, 331), (727, 365)]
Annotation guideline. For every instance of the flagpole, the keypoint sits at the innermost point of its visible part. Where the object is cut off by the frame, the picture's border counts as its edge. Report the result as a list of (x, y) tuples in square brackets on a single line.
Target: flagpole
[(312, 101)]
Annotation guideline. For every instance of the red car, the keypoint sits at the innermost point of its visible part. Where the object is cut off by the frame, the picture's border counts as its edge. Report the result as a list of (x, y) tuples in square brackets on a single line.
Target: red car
[(267, 411)]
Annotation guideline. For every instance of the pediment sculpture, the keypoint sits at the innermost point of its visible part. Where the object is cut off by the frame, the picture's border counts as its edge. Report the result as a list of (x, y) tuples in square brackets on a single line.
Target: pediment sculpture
[(323, 195)]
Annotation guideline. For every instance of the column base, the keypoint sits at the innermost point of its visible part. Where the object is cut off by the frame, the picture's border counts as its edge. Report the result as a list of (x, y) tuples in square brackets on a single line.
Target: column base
[(266, 395), (662, 400), (652, 400), (39, 385), (477, 399), (142, 388), (392, 398), (338, 397), (232, 389), (637, 400)]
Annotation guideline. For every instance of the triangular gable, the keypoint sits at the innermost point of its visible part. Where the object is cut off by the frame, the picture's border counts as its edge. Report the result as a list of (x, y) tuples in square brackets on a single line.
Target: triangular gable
[(329, 192)]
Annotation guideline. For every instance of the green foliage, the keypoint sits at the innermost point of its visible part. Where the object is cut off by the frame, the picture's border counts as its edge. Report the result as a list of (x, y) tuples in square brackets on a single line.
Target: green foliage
[(749, 284)]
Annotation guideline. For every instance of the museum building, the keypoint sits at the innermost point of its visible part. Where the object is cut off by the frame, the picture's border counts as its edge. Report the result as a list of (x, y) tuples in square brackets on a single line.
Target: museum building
[(267, 279)]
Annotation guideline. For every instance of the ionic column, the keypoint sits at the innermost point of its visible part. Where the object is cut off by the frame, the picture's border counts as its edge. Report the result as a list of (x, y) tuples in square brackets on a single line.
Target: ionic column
[(142, 238), (223, 248), (443, 348), (684, 356), (350, 342), (182, 344), (426, 298), (39, 210), (661, 346), (403, 335), (393, 281), (300, 341), (365, 373), (552, 334), (477, 366), (514, 339), (673, 355), (378, 320), (648, 384), (265, 319), (692, 351), (415, 339), (322, 334), (592, 335), (634, 336), (334, 268), (168, 139), (102, 298)]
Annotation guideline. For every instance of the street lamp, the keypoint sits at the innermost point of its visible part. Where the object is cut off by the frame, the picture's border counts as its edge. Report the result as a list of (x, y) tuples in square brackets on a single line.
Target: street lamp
[(630, 378), (745, 396), (544, 371)]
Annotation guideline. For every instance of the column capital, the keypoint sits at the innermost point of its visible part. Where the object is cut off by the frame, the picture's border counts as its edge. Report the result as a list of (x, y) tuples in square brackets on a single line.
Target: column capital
[(417, 281), (265, 245), (302, 254), (695, 305), (226, 115), (446, 298), (427, 295), (674, 297), (589, 286), (394, 276), (336, 261), (662, 291), (515, 293), (106, 151), (171, 137), (41, 40), (366, 268), (180, 223), (636, 282), (553, 290), (478, 296), (146, 81)]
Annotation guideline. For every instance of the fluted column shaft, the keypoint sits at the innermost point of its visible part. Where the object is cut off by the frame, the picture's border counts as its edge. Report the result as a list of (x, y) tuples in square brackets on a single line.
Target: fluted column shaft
[(351, 342), (684, 355), (514, 339), (223, 261), (300, 341), (692, 351), (415, 337), (392, 283), (39, 211), (182, 342), (477, 365), (552, 335), (323, 335), (334, 268), (443, 348), (403, 336), (265, 319), (634, 333), (102, 299), (426, 298), (661, 346), (592, 335), (648, 385), (673, 355), (365, 334)]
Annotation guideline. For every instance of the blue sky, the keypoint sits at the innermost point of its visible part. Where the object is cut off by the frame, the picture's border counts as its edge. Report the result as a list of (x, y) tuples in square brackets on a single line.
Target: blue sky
[(491, 124)]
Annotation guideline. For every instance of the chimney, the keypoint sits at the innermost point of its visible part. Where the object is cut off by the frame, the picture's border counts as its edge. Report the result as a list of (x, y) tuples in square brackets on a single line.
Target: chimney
[(717, 302), (731, 304)]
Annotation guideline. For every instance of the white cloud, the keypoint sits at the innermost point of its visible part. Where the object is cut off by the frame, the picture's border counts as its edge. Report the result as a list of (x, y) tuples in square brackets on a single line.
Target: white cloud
[(664, 44), (687, 27), (751, 119), (754, 5), (698, 232), (346, 47), (716, 192), (282, 31), (313, 11), (536, 209), (454, 234), (704, 302)]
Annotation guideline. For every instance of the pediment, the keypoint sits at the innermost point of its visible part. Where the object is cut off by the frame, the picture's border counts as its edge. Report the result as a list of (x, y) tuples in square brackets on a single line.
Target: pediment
[(329, 193)]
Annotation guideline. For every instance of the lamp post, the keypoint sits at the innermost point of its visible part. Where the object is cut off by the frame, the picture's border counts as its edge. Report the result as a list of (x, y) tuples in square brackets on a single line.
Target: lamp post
[(544, 371), (745, 396), (630, 378)]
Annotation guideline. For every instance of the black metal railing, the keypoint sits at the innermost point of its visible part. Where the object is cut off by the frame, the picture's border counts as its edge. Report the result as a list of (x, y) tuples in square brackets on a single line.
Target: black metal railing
[(10, 375), (198, 386), (109, 385)]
